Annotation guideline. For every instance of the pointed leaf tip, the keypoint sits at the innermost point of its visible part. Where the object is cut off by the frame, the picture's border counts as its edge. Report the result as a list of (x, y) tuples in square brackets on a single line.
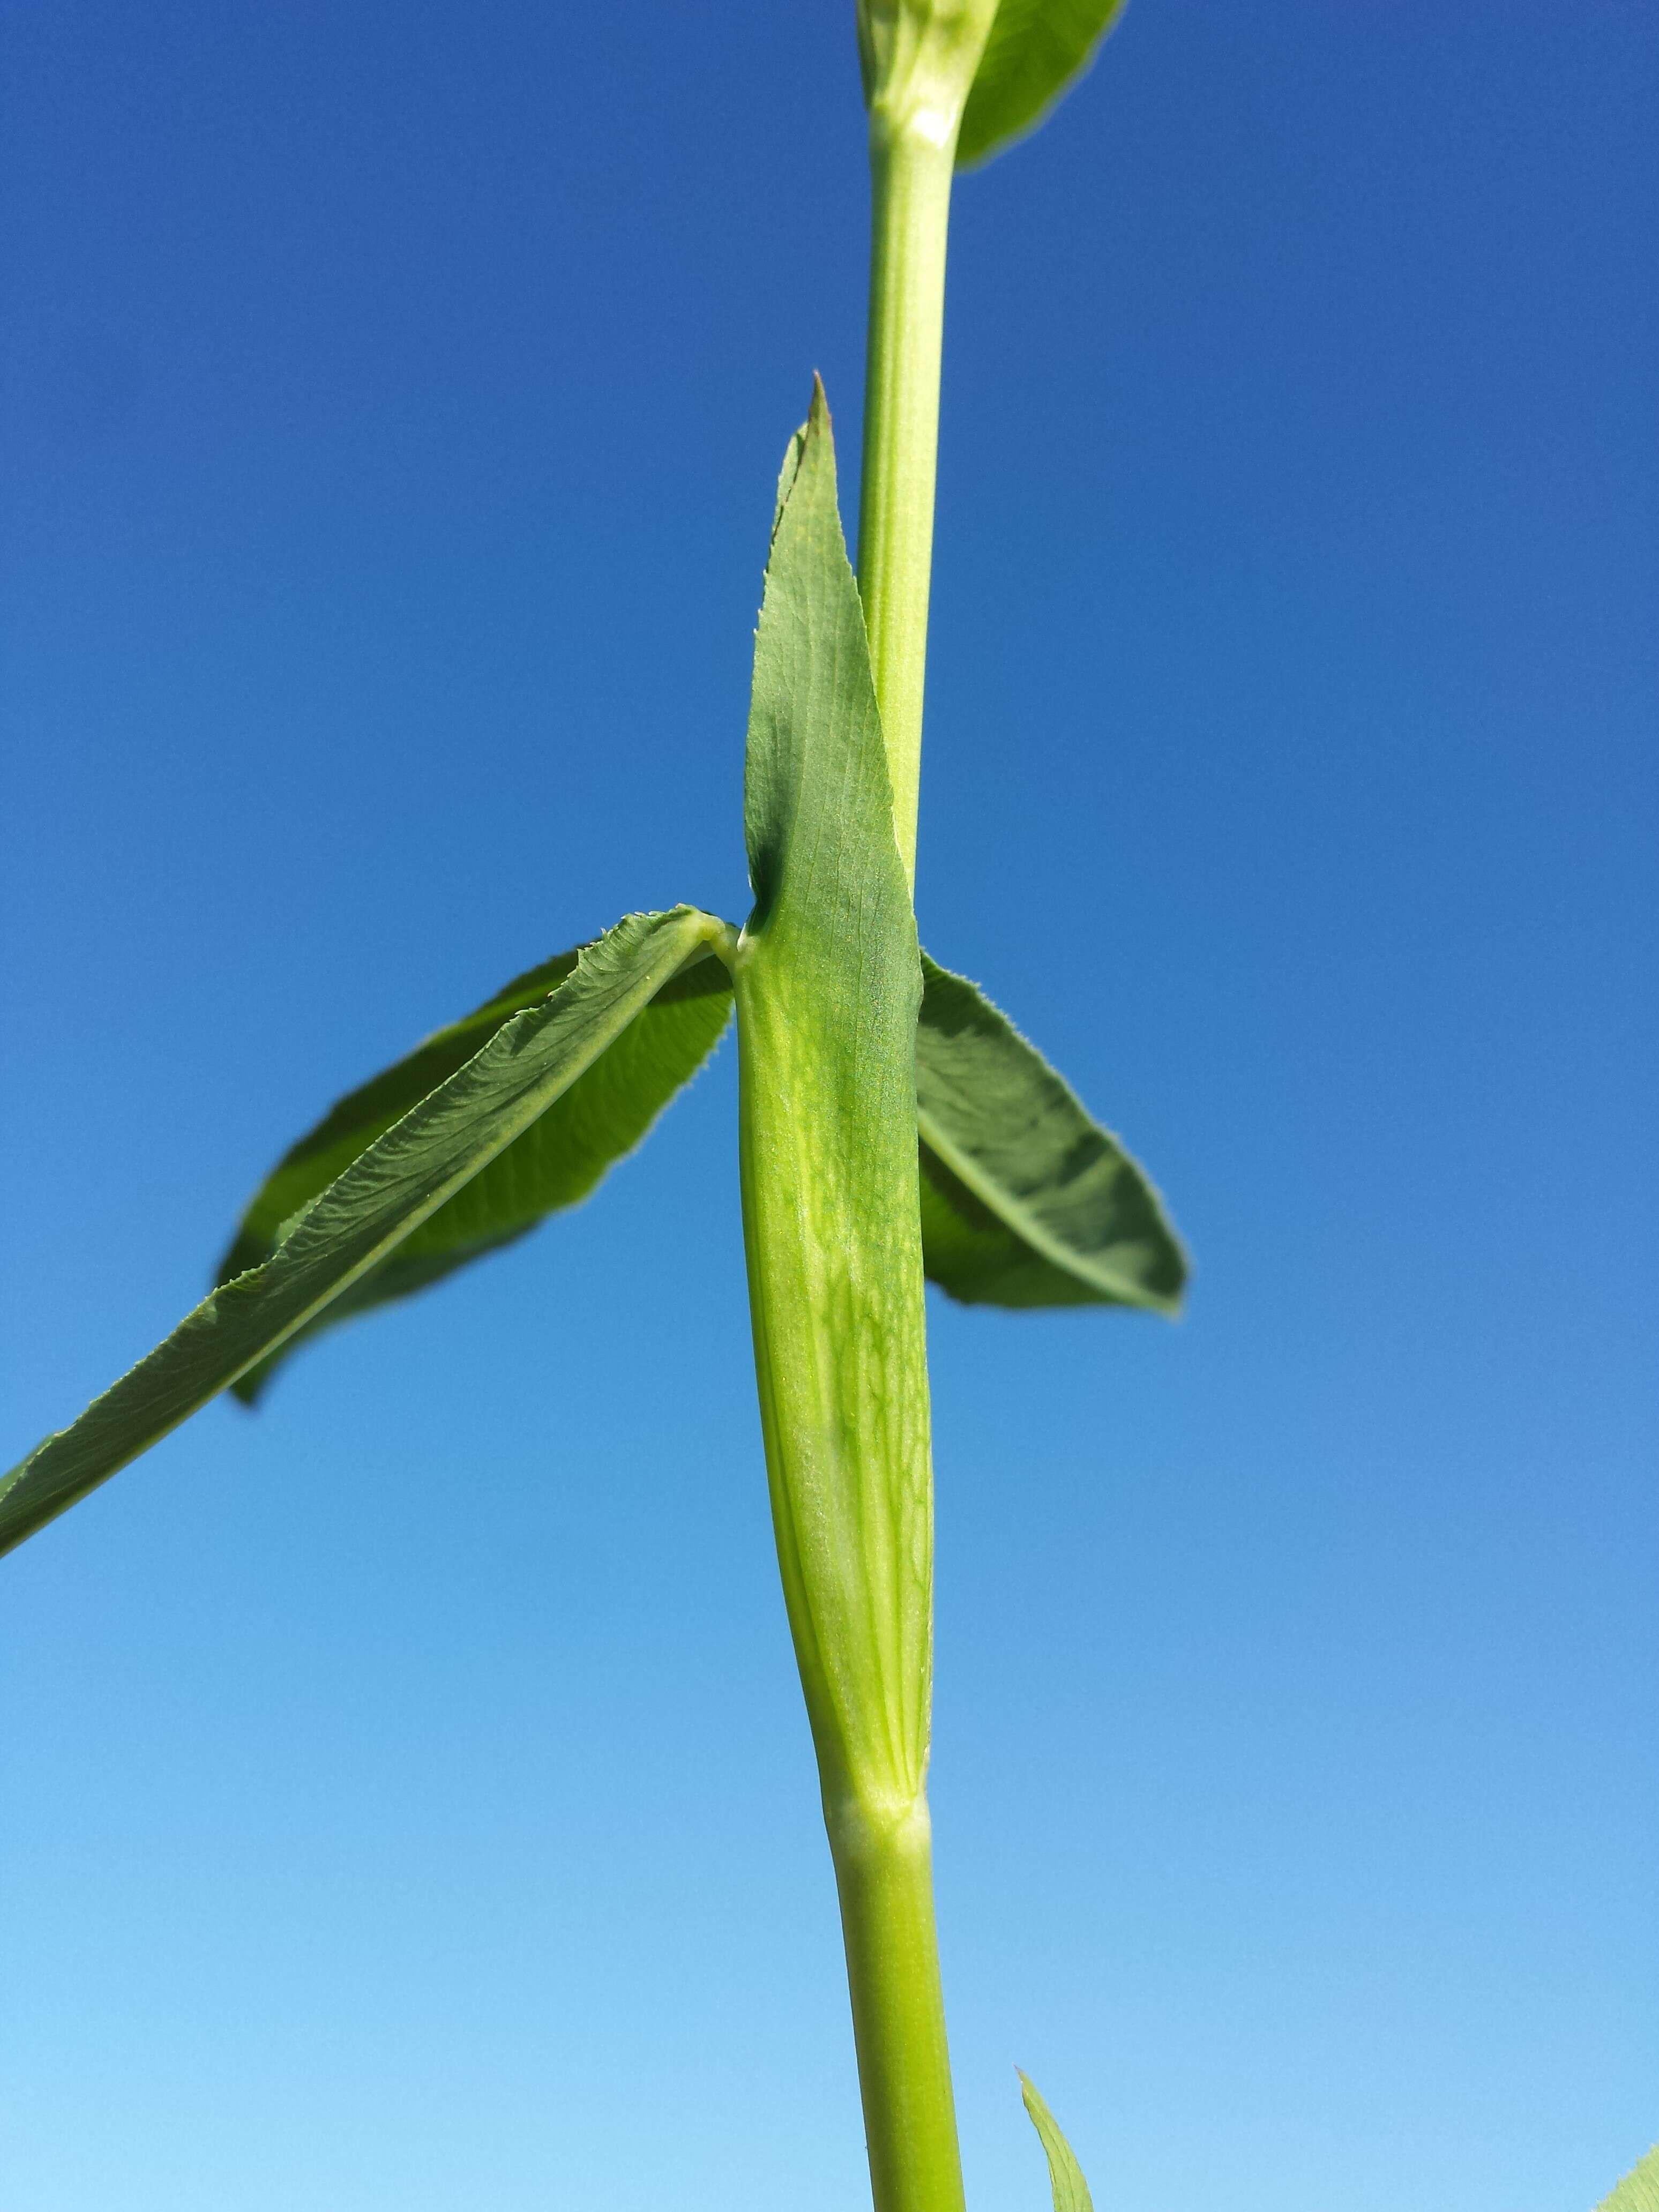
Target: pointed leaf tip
[(814, 441), (1639, 2189), (1070, 2190)]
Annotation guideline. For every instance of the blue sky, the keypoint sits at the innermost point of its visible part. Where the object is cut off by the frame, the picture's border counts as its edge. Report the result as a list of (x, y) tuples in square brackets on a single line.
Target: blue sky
[(404, 1799)]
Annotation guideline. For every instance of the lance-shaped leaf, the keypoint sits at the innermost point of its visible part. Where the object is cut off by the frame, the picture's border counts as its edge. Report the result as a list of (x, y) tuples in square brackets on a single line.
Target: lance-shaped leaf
[(1064, 2174), (380, 1199), (828, 987), (557, 1162), (1026, 1200), (1036, 48), (1639, 2189)]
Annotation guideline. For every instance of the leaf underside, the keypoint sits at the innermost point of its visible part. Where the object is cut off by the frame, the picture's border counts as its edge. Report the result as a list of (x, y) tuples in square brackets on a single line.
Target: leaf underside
[(398, 1182), (1064, 2174), (1639, 2189), (557, 1161), (1026, 1200), (1036, 49)]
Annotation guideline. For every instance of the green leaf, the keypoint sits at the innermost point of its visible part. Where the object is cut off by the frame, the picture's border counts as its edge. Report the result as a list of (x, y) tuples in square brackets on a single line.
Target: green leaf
[(1064, 2174), (1639, 2189), (1036, 49), (557, 1162), (1026, 1200), (829, 985), (382, 1198)]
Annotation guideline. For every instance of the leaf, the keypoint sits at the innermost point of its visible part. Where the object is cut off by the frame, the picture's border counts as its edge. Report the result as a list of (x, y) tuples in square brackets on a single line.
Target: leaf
[(828, 989), (1040, 1208), (557, 1161), (1036, 51), (1064, 2174), (1639, 2189), (384, 1195), (1026, 1200)]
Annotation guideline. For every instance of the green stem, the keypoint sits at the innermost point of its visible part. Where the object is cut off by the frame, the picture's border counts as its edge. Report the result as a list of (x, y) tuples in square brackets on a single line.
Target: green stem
[(884, 1873), (910, 176), (884, 1857)]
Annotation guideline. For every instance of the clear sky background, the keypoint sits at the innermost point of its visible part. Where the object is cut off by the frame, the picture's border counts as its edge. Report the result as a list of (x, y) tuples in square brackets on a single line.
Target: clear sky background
[(405, 1804)]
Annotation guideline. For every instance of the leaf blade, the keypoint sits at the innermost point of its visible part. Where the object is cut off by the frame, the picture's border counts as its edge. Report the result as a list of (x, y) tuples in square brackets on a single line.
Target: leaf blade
[(1027, 1202), (828, 989), (1036, 50), (556, 1163), (1070, 2190), (386, 1192)]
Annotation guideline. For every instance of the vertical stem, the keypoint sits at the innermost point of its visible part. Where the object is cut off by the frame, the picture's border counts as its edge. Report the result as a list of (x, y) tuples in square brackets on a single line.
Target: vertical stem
[(884, 1857), (827, 1115), (884, 1873), (910, 175)]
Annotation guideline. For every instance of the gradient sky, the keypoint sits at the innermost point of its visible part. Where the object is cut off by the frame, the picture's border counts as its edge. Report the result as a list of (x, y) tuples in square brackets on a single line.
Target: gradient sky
[(405, 1803)]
